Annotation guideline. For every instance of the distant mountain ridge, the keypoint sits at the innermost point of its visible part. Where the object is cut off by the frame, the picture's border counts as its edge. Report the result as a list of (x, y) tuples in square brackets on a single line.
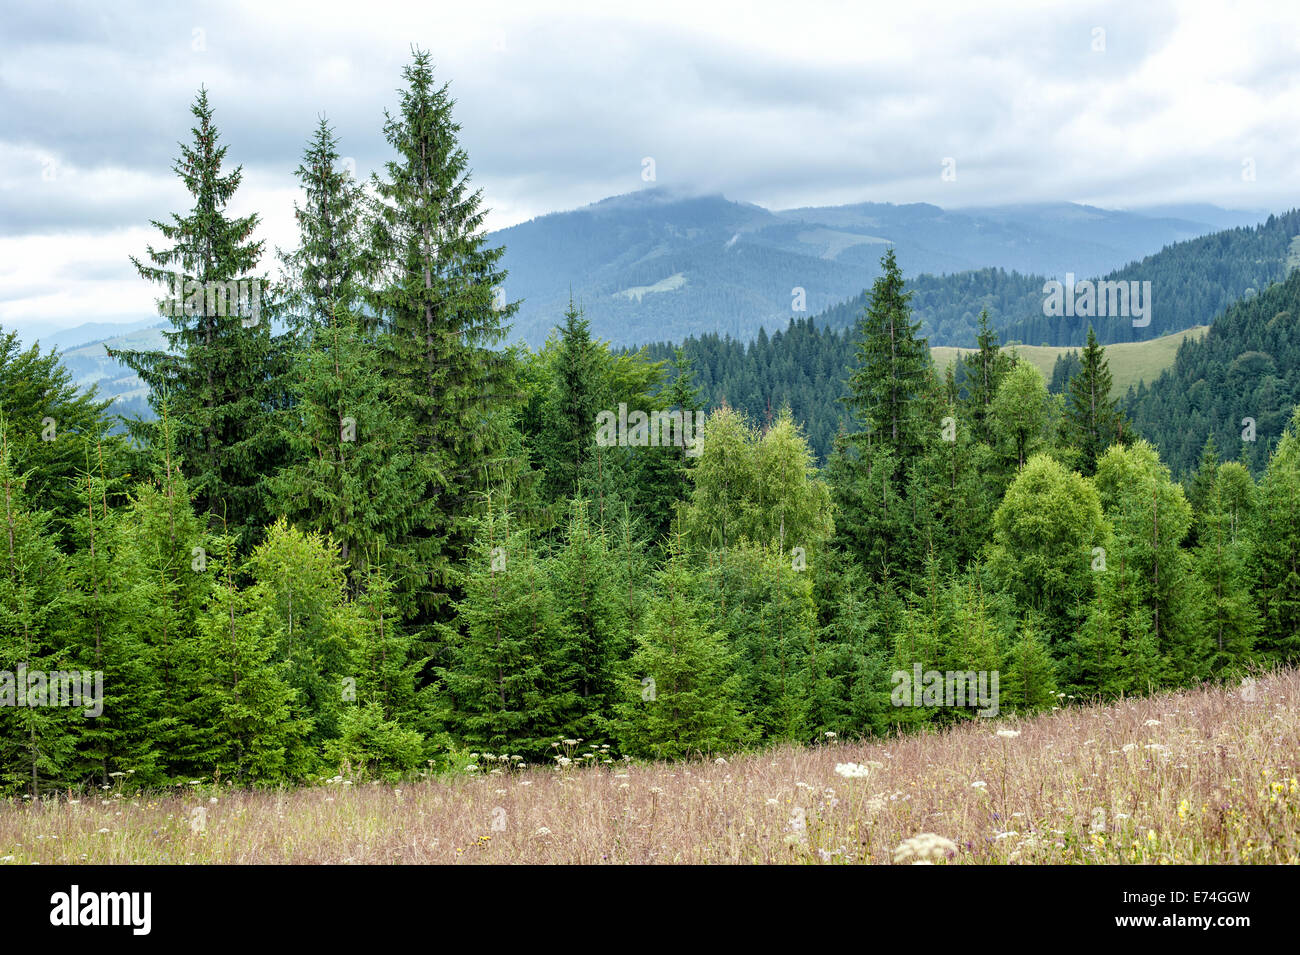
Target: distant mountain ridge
[(655, 265)]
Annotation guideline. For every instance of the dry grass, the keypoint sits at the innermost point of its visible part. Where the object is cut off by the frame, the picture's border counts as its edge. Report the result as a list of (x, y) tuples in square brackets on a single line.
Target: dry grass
[(1201, 776)]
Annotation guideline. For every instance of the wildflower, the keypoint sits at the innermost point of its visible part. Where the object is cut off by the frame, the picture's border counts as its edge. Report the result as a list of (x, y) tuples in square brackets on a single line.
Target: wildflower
[(830, 735), (1151, 723), (1008, 734), (1129, 747), (720, 761), (1183, 808), (925, 847), (543, 831), (979, 784), (852, 770)]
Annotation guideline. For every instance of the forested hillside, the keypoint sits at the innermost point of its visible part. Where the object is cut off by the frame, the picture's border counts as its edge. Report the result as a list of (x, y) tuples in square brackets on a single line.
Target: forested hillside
[(1191, 282), (1236, 385), (364, 536)]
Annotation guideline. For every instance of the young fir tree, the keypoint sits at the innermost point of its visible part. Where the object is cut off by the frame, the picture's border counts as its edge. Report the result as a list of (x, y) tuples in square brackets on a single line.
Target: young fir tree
[(162, 556), (1150, 518), (53, 428), (577, 394), (893, 376), (223, 370), (441, 313), (387, 659), (502, 684), (849, 680), (107, 612), (984, 370), (919, 642), (37, 741), (584, 577), (785, 671), (1200, 488), (297, 593), (1274, 560), (245, 704), (1093, 419), (1231, 612), (681, 684), (1028, 679)]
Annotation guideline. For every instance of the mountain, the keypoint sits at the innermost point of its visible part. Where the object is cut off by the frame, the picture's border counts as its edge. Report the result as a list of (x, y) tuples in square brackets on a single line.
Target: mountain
[(90, 366), (655, 265)]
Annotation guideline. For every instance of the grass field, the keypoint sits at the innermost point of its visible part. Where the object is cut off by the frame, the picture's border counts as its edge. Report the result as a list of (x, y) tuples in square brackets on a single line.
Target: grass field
[(1130, 362), (1205, 775)]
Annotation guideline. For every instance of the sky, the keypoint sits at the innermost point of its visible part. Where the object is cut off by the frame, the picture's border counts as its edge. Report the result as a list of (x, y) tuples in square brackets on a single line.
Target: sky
[(1120, 105)]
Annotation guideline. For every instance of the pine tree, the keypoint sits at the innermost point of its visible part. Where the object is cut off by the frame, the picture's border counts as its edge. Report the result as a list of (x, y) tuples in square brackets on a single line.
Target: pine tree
[(1231, 612), (161, 556), (593, 614), (437, 301), (502, 683), (893, 372), (329, 273), (681, 684), (223, 368), (1091, 412), (576, 396), (106, 615), (1150, 518), (983, 371), (1274, 561), (37, 740), (1028, 681), (254, 729)]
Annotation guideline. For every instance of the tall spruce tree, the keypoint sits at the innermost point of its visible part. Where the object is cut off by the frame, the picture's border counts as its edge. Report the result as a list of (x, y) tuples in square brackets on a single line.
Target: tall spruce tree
[(223, 369), (353, 472), (438, 299), (894, 372)]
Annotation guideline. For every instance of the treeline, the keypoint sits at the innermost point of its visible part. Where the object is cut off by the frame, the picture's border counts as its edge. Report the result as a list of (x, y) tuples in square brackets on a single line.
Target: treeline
[(377, 541), (804, 367)]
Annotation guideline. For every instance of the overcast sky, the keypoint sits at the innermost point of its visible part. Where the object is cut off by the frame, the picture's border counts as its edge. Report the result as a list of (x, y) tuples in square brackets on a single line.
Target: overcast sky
[(785, 104)]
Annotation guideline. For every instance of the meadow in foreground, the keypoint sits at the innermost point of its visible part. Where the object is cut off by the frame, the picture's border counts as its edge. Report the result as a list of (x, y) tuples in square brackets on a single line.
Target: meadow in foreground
[(1206, 775)]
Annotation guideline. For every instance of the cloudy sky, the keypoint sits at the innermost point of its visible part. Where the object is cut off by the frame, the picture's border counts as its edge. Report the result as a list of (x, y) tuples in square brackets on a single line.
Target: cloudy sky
[(1118, 104)]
